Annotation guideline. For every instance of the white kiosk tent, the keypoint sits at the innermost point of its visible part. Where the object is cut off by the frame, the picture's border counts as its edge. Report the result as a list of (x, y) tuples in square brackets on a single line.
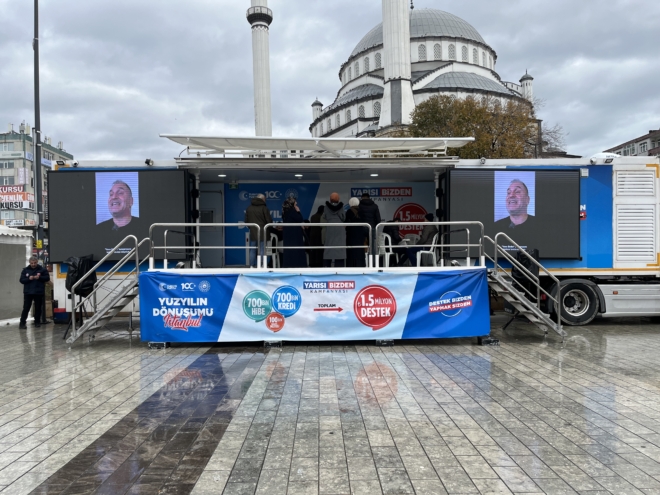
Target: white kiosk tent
[(215, 161), (15, 251)]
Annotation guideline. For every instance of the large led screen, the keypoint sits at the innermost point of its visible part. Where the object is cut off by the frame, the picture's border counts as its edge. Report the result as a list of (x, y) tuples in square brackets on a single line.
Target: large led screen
[(537, 209), (92, 211)]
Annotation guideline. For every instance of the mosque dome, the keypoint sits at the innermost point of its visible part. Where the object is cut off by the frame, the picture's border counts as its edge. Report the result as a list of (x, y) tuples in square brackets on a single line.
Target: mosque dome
[(425, 23), (447, 57)]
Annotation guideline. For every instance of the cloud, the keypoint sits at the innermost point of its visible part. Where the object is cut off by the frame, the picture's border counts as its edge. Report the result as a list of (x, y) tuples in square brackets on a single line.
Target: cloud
[(114, 75)]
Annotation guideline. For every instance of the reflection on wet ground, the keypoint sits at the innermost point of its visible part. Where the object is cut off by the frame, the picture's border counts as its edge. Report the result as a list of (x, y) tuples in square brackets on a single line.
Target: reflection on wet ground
[(533, 415)]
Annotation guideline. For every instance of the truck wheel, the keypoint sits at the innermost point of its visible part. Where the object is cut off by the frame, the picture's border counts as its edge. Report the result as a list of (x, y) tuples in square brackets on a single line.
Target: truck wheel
[(579, 304)]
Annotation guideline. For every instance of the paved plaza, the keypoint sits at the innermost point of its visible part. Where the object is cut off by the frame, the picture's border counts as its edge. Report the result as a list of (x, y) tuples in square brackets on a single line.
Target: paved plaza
[(530, 416)]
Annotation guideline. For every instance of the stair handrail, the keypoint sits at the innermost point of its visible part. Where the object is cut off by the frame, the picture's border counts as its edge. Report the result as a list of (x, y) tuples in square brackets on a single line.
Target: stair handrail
[(119, 264), (525, 272)]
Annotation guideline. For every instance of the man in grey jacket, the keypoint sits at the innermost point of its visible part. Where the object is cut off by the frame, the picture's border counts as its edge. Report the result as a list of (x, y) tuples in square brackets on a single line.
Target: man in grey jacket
[(257, 213), (333, 212)]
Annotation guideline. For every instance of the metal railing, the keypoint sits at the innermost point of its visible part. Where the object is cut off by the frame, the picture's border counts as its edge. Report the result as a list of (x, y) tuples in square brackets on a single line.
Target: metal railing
[(441, 246), (134, 252), (194, 247), (322, 225), (499, 250)]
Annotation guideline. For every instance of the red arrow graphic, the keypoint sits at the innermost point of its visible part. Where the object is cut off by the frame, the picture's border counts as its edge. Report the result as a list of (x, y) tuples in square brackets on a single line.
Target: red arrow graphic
[(339, 310)]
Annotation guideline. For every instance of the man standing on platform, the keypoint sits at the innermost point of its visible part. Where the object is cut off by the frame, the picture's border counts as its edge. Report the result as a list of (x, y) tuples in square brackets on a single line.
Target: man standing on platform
[(257, 213), (33, 278)]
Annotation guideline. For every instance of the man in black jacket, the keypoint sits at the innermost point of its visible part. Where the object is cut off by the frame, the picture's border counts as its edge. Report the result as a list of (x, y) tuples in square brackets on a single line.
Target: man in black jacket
[(370, 213), (33, 278)]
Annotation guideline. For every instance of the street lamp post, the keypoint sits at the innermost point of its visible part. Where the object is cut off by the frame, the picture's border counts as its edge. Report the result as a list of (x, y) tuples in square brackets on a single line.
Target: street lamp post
[(38, 184), (37, 131)]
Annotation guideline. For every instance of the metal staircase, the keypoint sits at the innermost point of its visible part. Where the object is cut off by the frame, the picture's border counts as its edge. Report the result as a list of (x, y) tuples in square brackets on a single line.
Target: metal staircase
[(525, 301), (120, 289)]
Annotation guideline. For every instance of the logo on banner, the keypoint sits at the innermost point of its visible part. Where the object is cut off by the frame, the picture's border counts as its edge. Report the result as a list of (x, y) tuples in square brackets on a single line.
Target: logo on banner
[(291, 193), (273, 195), (375, 306), (284, 303), (286, 300), (275, 322), (165, 287), (411, 212), (182, 313), (338, 286), (450, 304), (188, 286), (256, 305), (382, 192), (204, 286)]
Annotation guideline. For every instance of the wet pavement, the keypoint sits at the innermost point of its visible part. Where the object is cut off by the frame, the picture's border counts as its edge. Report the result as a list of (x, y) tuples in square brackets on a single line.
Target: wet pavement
[(533, 415)]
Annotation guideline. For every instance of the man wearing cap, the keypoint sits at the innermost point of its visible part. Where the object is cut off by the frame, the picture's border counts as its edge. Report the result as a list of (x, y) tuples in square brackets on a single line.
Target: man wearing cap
[(33, 278)]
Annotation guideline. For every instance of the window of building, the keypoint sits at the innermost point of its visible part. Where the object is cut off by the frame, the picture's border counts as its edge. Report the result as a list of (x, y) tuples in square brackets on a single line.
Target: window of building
[(49, 156), (7, 181), (629, 149), (8, 215), (452, 52), (6, 146), (357, 69), (643, 147), (452, 98), (421, 53), (348, 115), (350, 76), (321, 128), (475, 56), (379, 61), (366, 64), (361, 111), (6, 164), (491, 62), (464, 53), (338, 121), (377, 109), (329, 125), (484, 100), (437, 51), (483, 59)]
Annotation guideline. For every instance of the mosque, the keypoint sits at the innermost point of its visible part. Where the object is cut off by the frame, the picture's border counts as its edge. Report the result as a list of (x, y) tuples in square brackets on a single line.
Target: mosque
[(412, 55)]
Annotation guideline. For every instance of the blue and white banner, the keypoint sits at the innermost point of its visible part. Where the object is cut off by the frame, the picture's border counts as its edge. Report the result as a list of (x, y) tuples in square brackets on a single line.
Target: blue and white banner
[(278, 306), (408, 202)]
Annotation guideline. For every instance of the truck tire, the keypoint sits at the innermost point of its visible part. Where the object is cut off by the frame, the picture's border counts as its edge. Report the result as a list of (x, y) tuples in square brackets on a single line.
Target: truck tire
[(579, 303)]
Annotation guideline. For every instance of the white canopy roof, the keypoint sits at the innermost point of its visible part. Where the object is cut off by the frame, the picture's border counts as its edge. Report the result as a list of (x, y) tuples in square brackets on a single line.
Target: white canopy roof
[(14, 232), (333, 146)]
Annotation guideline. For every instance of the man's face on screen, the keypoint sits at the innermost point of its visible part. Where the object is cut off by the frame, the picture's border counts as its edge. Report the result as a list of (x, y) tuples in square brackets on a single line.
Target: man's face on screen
[(120, 201), (517, 198)]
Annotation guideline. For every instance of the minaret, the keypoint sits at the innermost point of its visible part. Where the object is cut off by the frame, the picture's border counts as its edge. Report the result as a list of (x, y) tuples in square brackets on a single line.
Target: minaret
[(526, 82), (317, 106), (398, 100), (260, 16)]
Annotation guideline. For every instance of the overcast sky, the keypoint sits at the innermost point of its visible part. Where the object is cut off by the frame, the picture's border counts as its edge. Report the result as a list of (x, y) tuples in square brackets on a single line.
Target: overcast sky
[(115, 74)]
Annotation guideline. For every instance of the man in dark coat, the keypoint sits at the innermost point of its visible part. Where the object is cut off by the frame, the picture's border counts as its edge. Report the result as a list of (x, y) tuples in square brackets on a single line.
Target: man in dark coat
[(316, 239), (33, 278), (257, 213), (369, 213), (333, 212)]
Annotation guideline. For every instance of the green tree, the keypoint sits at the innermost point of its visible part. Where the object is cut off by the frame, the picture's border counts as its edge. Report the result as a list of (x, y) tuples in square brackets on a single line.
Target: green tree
[(500, 131)]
